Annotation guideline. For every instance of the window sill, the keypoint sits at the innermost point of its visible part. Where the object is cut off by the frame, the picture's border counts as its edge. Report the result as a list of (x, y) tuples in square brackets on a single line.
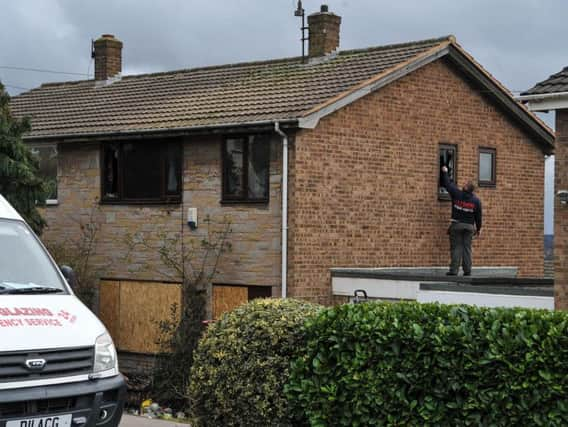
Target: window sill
[(444, 197), (486, 185), (51, 202), (141, 202), (245, 202)]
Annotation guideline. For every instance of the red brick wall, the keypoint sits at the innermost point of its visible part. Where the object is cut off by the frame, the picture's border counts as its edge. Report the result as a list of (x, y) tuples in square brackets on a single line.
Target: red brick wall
[(364, 185), (561, 213)]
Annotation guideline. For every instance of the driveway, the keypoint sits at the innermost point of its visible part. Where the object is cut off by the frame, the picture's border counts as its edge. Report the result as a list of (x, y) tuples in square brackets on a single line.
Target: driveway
[(132, 421)]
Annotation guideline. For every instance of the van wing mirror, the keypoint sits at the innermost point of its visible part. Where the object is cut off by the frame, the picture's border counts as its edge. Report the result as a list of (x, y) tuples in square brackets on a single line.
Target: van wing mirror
[(69, 275)]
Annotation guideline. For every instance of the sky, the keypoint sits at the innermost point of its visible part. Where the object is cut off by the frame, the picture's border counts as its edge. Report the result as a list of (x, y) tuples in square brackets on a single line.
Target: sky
[(520, 42)]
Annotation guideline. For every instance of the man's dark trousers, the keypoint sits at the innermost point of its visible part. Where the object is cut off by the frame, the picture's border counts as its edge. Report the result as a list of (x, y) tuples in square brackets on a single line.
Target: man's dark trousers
[(461, 235)]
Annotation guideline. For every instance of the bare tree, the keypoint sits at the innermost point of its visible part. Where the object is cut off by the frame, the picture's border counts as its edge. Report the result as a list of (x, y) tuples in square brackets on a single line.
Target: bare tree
[(194, 261)]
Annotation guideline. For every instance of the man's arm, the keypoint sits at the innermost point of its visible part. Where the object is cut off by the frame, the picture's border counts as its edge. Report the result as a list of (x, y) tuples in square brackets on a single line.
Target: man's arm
[(448, 185), (478, 217)]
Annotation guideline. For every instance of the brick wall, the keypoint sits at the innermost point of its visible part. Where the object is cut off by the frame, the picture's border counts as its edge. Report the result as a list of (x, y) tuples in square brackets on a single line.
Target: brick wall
[(364, 187), (561, 213), (255, 255)]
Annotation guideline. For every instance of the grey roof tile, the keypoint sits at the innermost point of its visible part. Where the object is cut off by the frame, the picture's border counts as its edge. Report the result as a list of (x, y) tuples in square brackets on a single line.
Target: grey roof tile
[(211, 96), (554, 84)]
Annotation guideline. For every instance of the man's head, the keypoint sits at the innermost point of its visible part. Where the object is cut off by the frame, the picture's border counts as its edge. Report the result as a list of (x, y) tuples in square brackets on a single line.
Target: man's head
[(469, 187)]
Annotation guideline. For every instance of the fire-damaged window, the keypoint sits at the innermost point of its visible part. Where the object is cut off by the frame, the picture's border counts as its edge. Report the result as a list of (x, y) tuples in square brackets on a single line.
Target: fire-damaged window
[(487, 160), (141, 172), (448, 157), (46, 155), (246, 168)]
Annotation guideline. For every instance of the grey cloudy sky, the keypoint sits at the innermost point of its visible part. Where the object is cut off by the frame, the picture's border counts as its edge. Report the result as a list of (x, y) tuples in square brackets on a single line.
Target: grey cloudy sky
[(519, 41)]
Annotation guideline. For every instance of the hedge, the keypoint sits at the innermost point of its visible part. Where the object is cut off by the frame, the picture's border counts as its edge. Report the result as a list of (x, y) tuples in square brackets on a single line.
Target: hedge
[(409, 364), (242, 364)]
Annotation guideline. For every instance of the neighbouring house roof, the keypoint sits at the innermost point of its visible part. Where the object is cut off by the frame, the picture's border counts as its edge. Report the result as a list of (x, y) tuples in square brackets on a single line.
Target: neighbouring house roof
[(556, 83), (550, 94), (285, 90)]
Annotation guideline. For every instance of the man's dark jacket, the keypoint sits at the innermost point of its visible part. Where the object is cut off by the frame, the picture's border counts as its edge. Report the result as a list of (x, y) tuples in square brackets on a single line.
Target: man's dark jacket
[(466, 208)]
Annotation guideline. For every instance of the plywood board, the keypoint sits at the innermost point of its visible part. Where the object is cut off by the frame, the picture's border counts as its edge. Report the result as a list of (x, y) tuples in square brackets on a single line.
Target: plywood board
[(227, 298), (142, 306), (109, 308)]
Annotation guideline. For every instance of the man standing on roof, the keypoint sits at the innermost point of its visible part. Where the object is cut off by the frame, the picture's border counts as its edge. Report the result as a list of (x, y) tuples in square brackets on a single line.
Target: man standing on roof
[(466, 222)]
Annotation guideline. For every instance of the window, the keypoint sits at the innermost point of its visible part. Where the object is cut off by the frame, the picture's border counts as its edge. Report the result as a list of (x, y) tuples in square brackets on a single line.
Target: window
[(47, 157), (141, 172), (228, 297), (487, 157), (246, 169), (448, 157)]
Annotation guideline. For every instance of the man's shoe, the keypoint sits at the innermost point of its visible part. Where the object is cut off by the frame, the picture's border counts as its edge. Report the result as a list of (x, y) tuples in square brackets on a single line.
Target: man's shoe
[(449, 273), (467, 274)]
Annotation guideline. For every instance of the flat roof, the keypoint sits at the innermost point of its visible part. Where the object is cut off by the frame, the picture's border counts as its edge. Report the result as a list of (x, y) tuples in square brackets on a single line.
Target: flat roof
[(482, 277)]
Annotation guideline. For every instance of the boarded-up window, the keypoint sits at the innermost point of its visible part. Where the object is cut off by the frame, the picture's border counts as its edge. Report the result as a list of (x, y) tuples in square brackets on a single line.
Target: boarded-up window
[(131, 311), (229, 297)]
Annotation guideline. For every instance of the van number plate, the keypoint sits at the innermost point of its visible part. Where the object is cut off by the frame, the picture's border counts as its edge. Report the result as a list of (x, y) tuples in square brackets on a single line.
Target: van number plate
[(54, 421)]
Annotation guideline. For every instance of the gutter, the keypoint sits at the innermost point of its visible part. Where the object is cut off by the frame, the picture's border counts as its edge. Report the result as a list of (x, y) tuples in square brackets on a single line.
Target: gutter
[(284, 208), (73, 137), (542, 96)]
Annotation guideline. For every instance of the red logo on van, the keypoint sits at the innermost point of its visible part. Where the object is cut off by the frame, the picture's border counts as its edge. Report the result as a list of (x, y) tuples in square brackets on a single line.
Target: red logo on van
[(13, 317), (67, 316)]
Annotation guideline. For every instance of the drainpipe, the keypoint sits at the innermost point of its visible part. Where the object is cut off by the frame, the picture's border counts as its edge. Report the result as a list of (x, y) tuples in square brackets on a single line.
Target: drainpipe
[(284, 207)]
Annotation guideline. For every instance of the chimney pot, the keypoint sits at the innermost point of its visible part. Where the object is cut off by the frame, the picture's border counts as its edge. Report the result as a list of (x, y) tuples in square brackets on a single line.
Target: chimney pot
[(108, 57), (324, 32)]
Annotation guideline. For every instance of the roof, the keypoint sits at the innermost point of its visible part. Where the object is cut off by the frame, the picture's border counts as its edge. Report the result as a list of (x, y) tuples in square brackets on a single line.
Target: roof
[(556, 83), (7, 211), (285, 90), (227, 94)]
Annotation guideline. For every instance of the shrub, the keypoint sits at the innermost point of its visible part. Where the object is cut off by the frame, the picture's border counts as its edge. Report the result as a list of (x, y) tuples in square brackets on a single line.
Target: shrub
[(433, 365), (243, 362)]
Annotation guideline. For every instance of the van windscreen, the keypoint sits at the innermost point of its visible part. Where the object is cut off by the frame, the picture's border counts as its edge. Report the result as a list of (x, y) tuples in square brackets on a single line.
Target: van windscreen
[(24, 264)]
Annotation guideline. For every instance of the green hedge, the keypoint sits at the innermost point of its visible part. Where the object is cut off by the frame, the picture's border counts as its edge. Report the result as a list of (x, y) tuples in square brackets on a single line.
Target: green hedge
[(242, 364), (431, 365)]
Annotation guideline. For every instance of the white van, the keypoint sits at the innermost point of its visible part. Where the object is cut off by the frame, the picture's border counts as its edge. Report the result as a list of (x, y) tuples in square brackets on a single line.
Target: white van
[(58, 364)]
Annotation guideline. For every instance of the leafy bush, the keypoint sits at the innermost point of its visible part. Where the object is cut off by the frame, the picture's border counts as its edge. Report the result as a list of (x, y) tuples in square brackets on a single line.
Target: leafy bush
[(432, 365), (243, 362)]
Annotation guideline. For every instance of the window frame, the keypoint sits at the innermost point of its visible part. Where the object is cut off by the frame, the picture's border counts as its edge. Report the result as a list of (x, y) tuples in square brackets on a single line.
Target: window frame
[(493, 182), (443, 195), (164, 199), (49, 202), (231, 199)]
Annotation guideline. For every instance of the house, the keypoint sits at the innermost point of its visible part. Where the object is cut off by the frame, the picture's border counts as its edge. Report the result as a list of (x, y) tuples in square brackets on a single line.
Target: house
[(552, 95), (327, 162)]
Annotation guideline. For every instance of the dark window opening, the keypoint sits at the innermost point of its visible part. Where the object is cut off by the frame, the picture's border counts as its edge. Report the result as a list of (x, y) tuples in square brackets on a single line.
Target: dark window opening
[(46, 156), (448, 158), (487, 162), (246, 168), (255, 292), (110, 171), (142, 172)]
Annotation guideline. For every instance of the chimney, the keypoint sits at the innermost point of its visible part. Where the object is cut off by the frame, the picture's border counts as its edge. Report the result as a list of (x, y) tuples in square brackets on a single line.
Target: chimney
[(108, 57), (324, 32)]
